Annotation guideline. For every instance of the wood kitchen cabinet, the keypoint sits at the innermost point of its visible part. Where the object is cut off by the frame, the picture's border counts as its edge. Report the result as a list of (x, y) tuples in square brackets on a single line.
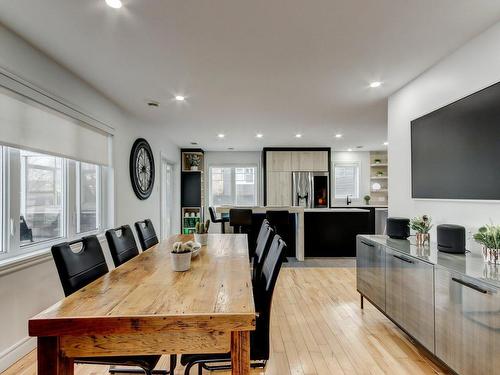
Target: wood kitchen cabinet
[(467, 323), (410, 295), (316, 161), (370, 271), (279, 188), (279, 161)]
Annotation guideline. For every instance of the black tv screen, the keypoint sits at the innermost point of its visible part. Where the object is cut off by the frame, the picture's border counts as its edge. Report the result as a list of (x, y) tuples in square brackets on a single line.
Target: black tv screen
[(455, 150)]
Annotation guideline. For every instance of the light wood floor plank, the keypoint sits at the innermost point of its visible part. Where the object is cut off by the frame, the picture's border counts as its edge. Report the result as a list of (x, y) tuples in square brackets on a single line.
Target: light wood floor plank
[(317, 328)]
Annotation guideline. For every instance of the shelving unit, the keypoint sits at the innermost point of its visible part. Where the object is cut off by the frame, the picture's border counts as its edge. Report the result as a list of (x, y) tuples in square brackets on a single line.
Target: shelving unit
[(379, 175), (192, 191)]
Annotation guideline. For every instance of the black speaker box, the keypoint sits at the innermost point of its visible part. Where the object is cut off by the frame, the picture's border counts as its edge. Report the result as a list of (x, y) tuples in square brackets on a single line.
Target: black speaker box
[(451, 238), (398, 227)]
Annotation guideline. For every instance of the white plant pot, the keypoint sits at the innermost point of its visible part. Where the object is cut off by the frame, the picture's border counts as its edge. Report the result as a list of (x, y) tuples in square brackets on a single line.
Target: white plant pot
[(201, 238), (181, 262), (194, 167)]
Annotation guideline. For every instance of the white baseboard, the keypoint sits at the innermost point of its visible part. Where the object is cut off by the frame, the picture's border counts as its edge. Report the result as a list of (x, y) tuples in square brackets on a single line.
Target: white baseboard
[(13, 354)]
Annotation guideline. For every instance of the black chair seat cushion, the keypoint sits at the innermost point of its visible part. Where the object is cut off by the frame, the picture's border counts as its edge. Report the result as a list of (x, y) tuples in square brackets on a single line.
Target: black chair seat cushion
[(143, 361)]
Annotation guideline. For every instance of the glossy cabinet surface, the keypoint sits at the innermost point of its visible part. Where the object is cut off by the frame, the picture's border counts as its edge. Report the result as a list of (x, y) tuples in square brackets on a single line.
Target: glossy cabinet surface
[(410, 296), (467, 323), (279, 188), (370, 271)]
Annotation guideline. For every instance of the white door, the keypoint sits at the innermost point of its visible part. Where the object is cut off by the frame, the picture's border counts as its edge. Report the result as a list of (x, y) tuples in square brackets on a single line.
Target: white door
[(166, 199)]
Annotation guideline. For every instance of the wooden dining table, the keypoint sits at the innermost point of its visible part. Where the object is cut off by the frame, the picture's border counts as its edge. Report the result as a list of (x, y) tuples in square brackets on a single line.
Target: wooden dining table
[(143, 307)]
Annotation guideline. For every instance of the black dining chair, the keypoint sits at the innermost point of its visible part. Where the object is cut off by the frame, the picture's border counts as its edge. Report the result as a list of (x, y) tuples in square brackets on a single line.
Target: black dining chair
[(259, 339), (241, 221), (122, 245), (280, 222), (223, 219), (76, 270), (146, 233), (264, 239)]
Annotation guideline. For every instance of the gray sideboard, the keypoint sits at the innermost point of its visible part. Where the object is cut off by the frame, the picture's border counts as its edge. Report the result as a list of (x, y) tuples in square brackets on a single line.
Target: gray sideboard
[(450, 304)]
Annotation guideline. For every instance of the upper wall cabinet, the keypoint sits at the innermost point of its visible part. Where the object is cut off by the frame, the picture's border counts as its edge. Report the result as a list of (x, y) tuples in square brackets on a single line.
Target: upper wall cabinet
[(289, 161), (279, 161), (316, 161)]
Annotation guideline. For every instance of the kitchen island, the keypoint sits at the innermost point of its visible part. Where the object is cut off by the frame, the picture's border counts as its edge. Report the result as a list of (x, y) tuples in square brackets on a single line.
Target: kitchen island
[(328, 232)]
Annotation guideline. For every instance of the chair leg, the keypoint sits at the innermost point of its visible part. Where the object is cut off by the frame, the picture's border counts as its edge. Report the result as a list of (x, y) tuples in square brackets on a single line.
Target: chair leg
[(173, 363), (200, 369), (222, 227)]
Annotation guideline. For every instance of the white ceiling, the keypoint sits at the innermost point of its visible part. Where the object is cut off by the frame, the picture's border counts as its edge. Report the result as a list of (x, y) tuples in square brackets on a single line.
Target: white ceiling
[(273, 66)]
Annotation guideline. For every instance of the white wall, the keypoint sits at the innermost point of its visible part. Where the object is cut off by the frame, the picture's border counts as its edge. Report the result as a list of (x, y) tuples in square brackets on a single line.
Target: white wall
[(361, 157), (474, 66), (25, 291)]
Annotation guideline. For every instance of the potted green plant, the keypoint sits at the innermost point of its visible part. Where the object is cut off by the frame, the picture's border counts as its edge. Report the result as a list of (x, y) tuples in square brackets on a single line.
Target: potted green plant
[(181, 256), (367, 199), (422, 225), (201, 232), (489, 238), (194, 161), (379, 174), (377, 161)]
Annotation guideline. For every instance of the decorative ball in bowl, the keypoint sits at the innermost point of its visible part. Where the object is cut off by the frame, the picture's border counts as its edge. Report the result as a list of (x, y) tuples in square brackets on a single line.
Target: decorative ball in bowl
[(181, 257)]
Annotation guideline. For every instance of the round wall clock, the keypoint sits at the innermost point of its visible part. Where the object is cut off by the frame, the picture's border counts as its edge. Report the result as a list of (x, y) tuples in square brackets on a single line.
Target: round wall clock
[(142, 168)]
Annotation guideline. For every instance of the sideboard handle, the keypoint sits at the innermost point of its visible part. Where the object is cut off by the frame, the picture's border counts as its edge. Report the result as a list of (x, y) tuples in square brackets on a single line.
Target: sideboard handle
[(403, 259), (470, 285), (367, 244)]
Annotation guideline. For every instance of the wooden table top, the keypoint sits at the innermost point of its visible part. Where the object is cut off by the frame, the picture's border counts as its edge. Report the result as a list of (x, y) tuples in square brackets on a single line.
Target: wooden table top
[(216, 293)]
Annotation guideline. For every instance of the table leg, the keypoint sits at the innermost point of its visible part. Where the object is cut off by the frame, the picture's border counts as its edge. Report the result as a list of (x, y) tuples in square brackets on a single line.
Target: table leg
[(240, 352), (50, 360)]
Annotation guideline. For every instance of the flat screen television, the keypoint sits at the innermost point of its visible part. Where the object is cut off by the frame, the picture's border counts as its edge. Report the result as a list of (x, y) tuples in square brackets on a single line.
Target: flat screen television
[(455, 150)]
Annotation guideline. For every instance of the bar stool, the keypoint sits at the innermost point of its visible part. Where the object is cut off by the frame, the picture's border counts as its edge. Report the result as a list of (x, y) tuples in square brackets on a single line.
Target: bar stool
[(224, 218), (241, 221), (280, 221)]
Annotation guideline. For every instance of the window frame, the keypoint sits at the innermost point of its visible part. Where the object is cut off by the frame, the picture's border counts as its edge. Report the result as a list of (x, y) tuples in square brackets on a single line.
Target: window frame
[(10, 194), (355, 164), (233, 167), (77, 190)]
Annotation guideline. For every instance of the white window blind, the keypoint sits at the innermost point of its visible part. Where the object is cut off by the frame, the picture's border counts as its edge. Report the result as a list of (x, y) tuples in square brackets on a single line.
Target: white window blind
[(346, 180), (31, 126)]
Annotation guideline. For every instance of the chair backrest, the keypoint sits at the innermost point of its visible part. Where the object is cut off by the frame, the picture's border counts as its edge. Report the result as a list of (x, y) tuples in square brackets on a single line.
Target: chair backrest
[(78, 269), (263, 296), (213, 216), (121, 244), (264, 239), (240, 217), (146, 233)]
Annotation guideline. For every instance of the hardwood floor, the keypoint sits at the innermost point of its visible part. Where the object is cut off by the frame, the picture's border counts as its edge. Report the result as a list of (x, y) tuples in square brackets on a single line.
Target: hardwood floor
[(317, 328)]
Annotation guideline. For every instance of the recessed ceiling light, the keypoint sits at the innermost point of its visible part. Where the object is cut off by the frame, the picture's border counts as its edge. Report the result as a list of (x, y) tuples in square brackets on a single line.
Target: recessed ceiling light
[(194, 143), (349, 149), (180, 98), (153, 104), (375, 84), (117, 4), (220, 135), (298, 135), (338, 135), (230, 148), (386, 143), (259, 135)]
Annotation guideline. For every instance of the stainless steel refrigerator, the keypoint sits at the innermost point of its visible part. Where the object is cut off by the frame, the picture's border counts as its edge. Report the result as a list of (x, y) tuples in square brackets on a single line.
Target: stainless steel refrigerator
[(311, 189)]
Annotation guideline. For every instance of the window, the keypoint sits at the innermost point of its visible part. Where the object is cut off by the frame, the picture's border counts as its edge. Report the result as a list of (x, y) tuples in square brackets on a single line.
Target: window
[(346, 180), (233, 185), (46, 199), (87, 194), (42, 198)]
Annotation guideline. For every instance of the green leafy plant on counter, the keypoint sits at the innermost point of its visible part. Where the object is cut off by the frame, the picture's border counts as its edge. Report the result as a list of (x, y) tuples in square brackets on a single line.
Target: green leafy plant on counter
[(202, 228), (421, 224), (367, 199), (488, 236)]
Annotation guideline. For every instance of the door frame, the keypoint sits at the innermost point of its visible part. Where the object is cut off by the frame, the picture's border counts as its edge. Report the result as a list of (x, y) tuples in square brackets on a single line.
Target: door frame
[(174, 165)]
